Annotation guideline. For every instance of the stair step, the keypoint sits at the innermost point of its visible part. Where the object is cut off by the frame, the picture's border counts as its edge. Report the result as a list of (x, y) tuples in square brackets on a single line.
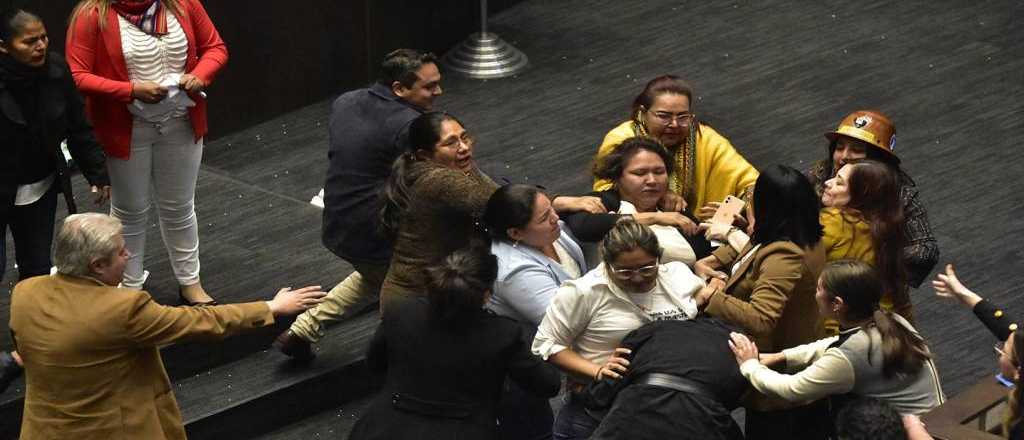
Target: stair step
[(333, 423)]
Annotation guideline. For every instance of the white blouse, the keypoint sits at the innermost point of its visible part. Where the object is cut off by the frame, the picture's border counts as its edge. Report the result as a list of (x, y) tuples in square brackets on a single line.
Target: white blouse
[(160, 59)]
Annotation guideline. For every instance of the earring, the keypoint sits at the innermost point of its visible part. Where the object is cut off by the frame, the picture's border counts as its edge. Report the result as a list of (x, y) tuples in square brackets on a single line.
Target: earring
[(515, 243)]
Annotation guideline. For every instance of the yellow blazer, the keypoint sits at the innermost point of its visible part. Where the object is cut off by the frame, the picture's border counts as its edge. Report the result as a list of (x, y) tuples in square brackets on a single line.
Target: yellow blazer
[(771, 296), (706, 173), (92, 364)]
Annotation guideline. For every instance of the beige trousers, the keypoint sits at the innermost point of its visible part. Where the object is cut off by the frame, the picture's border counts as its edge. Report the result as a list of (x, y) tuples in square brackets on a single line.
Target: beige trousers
[(356, 292)]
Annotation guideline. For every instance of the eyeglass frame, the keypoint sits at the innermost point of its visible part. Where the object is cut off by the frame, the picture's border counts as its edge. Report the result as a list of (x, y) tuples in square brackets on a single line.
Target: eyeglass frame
[(466, 138), (621, 273), (667, 120)]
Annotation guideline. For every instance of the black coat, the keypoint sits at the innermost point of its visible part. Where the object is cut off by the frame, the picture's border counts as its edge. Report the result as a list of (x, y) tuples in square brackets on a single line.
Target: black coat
[(368, 130), (445, 383), (696, 350), (64, 117)]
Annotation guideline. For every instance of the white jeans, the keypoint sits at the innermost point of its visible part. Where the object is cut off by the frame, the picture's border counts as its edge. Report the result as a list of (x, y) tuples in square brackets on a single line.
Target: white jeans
[(162, 168)]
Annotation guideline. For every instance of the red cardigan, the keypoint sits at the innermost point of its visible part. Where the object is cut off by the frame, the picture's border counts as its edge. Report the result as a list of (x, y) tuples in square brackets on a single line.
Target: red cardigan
[(97, 64)]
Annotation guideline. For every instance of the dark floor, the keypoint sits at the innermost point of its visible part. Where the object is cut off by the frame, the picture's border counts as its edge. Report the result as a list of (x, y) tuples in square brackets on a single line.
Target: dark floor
[(770, 75)]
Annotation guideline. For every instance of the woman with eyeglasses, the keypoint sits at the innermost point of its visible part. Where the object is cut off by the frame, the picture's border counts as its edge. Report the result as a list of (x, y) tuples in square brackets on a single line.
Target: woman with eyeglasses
[(771, 287), (589, 316), (1010, 350), (877, 353), (706, 167), (432, 201), (639, 169)]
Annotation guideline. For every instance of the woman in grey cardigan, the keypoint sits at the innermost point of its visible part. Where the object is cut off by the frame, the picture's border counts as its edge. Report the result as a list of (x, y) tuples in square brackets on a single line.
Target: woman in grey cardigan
[(877, 353)]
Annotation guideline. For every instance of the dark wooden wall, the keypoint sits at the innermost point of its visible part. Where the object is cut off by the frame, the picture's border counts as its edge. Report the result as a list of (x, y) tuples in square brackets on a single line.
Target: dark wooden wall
[(284, 55)]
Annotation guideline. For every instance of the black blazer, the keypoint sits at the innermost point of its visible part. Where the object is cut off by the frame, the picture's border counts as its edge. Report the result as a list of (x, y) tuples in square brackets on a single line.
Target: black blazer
[(445, 383), (65, 119), (368, 130)]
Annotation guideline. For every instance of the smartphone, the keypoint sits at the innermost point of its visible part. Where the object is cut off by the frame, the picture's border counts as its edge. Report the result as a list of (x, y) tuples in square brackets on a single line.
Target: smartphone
[(1004, 381), (729, 208)]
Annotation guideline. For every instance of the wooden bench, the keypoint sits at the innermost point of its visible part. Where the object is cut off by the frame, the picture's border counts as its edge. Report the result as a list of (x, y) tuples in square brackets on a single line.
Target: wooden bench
[(974, 414)]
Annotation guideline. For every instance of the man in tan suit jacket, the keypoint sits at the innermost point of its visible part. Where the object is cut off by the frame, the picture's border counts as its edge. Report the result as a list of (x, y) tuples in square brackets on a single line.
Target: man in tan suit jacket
[(90, 348)]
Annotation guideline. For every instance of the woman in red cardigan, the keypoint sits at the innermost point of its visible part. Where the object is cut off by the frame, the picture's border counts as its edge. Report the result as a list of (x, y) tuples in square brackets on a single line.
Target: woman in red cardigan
[(143, 65)]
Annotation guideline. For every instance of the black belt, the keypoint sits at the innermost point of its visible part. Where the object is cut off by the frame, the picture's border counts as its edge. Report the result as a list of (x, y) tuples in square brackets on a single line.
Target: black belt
[(674, 382)]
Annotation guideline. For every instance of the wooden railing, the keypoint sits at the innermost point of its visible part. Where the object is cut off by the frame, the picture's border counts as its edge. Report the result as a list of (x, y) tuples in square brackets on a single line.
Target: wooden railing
[(974, 414)]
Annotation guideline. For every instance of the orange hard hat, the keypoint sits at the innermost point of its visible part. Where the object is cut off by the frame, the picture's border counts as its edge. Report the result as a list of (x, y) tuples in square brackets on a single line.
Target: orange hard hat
[(870, 126)]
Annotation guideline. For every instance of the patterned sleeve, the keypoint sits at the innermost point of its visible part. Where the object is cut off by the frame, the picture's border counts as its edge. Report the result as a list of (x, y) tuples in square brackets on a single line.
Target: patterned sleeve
[(922, 250)]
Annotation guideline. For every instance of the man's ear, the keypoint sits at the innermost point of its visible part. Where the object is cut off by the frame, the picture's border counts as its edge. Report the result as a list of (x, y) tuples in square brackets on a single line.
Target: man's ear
[(398, 89)]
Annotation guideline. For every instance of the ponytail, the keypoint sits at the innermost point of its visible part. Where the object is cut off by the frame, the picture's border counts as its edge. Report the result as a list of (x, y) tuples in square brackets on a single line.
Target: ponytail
[(394, 196), (903, 350), (860, 287)]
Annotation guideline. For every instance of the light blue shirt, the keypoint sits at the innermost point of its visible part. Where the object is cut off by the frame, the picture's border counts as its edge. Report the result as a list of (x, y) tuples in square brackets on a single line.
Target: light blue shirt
[(528, 279)]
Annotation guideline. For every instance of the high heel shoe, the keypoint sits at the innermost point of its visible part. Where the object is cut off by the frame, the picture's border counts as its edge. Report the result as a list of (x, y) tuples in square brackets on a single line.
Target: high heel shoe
[(185, 302)]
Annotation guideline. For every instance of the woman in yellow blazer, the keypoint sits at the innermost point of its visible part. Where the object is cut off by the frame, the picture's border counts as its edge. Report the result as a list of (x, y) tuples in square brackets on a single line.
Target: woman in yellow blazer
[(863, 220), (770, 290), (707, 167)]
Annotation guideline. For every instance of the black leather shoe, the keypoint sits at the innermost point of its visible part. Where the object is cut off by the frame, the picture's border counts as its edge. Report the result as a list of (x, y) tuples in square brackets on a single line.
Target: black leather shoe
[(9, 370), (292, 345)]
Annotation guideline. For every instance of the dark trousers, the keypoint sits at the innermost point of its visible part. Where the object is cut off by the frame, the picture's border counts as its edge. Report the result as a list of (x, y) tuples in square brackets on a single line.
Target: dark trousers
[(32, 229), (573, 422), (522, 415), (809, 422)]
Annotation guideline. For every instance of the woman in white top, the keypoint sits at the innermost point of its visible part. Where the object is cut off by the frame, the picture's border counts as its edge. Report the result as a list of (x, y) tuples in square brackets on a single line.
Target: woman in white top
[(589, 316), (143, 66), (877, 353)]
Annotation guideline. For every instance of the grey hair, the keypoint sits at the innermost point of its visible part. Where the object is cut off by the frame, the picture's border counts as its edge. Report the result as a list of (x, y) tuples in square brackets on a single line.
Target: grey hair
[(627, 235), (83, 239)]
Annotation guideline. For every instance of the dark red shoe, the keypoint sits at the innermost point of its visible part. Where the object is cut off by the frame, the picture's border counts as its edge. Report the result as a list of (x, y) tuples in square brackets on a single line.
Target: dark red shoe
[(292, 345)]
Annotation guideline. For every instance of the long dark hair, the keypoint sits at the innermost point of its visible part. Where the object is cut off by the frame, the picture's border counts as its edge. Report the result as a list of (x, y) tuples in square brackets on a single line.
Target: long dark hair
[(858, 284), (511, 206), (661, 85), (874, 195), (785, 208), (457, 286), (424, 134), (611, 167)]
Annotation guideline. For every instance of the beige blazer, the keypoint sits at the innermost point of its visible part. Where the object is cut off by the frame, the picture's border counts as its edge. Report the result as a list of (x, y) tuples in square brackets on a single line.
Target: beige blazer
[(92, 364), (771, 295)]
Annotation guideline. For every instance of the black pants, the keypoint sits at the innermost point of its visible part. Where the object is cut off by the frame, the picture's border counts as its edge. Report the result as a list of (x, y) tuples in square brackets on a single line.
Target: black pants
[(32, 228), (809, 422)]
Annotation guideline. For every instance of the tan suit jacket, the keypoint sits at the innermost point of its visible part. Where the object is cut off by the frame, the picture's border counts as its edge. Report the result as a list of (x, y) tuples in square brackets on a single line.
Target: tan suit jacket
[(92, 364), (771, 295)]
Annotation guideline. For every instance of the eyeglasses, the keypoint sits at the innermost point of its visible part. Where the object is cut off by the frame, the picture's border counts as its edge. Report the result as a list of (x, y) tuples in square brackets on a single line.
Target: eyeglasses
[(666, 119), (453, 142), (625, 274)]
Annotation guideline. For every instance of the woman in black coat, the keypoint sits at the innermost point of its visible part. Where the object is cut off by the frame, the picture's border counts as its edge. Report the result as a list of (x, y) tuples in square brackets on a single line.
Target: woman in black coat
[(446, 358), (39, 108)]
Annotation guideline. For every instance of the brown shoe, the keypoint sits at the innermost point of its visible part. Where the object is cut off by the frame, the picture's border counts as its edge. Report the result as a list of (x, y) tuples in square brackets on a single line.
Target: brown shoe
[(292, 345)]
